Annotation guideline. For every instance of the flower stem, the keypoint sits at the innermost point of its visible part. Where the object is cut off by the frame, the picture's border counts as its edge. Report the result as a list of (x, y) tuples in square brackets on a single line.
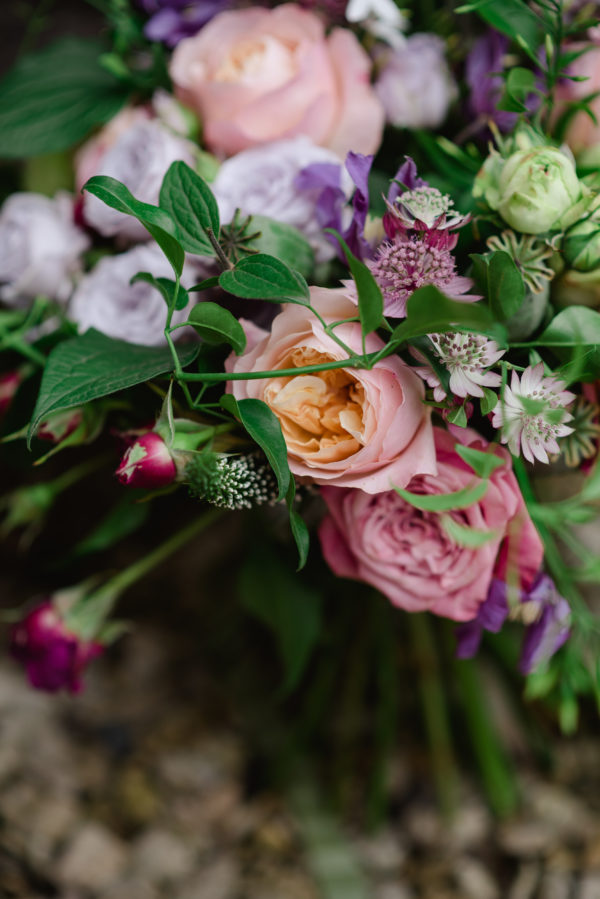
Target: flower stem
[(89, 615), (435, 713)]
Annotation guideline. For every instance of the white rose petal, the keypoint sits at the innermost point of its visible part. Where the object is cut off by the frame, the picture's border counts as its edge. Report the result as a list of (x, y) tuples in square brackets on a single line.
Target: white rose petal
[(40, 248)]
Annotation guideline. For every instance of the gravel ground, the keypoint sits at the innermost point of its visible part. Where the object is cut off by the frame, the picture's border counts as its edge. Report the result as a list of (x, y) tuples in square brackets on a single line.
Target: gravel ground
[(132, 792)]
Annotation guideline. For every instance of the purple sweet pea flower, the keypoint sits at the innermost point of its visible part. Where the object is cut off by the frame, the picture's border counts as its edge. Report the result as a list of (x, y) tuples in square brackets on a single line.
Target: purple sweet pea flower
[(406, 178), (53, 656), (173, 20), (491, 616), (546, 635), (484, 64)]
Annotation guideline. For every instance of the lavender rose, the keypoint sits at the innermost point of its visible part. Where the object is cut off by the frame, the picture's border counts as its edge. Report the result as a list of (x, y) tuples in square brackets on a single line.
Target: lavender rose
[(263, 181), (139, 157), (40, 248), (415, 84), (106, 300)]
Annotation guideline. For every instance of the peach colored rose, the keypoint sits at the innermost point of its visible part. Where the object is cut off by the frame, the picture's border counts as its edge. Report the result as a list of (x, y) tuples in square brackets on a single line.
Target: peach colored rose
[(348, 427), (257, 75), (410, 557), (582, 132)]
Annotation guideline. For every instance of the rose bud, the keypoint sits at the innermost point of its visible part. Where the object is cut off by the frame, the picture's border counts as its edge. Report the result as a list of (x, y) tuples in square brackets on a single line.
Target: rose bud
[(59, 426), (581, 246), (148, 462), (53, 656), (9, 384)]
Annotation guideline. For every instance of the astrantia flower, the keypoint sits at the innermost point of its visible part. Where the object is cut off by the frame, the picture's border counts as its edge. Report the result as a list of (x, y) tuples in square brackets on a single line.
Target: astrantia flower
[(425, 208), (467, 357), (405, 264), (532, 413)]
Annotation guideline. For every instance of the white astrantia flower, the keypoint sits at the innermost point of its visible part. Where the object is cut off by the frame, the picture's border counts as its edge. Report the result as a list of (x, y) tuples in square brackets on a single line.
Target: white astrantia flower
[(262, 181), (532, 415), (41, 248), (381, 18), (107, 301), (139, 158), (467, 358)]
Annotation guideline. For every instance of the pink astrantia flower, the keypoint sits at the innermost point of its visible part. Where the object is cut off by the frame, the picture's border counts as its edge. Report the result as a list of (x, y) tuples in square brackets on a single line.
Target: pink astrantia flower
[(532, 413), (467, 357), (403, 265)]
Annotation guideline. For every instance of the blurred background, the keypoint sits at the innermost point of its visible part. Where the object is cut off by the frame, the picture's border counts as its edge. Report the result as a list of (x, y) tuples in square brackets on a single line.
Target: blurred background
[(187, 770)]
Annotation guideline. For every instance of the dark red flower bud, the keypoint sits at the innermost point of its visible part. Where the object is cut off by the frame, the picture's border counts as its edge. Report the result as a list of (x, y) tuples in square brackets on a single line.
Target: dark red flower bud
[(9, 384), (147, 463), (53, 656)]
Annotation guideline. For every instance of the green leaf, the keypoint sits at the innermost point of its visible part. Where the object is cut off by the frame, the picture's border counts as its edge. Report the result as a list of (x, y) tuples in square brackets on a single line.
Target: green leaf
[(123, 519), (458, 417), (444, 502), (206, 284), (505, 286), (91, 366), (263, 427), (370, 298), (520, 82), (482, 463), (298, 525), (514, 18), (155, 220), (52, 99), (274, 594), (166, 287), (574, 326), (489, 401), (191, 204), (282, 241), (263, 277), (429, 311), (217, 325), (463, 535)]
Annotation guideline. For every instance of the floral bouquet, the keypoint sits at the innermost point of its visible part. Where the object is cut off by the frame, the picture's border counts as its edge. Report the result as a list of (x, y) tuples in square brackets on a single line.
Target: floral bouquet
[(336, 265)]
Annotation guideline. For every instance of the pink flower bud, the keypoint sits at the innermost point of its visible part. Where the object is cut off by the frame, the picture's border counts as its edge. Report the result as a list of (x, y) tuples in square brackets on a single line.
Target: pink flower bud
[(9, 384), (59, 426), (53, 656), (147, 463)]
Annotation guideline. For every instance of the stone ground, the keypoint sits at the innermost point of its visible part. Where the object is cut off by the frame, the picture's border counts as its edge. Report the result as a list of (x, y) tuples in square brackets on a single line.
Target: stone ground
[(132, 791)]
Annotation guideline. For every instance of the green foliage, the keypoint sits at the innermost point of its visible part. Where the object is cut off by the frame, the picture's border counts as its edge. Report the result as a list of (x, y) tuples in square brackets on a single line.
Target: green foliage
[(156, 221), (519, 84), (191, 204), (52, 99), (91, 366), (123, 519), (264, 277), (514, 18), (217, 325), (263, 427), (483, 464), (574, 326), (444, 502), (297, 524), (430, 311), (271, 592), (174, 295), (466, 536), (283, 241), (499, 279), (370, 299)]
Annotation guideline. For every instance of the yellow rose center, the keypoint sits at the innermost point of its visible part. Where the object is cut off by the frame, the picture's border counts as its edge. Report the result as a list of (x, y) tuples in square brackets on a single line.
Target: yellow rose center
[(259, 63), (320, 413)]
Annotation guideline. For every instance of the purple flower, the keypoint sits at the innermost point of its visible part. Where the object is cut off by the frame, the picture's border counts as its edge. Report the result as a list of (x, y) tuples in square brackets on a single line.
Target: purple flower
[(54, 657), (173, 20), (483, 74), (147, 463), (491, 616), (547, 634)]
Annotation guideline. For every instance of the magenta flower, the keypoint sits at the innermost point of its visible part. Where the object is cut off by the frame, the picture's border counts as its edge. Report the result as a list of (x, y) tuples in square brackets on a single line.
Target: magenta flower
[(403, 265), (53, 656), (9, 384), (532, 414), (147, 463)]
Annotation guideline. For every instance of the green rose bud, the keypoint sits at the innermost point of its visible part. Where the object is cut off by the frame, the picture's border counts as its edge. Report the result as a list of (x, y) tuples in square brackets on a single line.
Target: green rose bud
[(581, 246), (537, 190)]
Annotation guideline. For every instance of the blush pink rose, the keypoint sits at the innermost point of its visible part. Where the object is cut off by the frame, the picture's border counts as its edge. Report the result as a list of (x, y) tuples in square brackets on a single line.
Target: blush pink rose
[(257, 75), (408, 555), (348, 427)]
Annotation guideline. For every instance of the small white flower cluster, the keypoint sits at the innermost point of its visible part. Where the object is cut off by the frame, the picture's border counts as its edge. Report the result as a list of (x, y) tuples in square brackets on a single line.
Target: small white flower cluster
[(238, 482)]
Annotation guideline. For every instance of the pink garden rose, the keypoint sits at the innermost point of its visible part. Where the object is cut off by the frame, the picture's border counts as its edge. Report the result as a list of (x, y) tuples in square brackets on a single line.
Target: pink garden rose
[(348, 427), (257, 75), (410, 557)]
